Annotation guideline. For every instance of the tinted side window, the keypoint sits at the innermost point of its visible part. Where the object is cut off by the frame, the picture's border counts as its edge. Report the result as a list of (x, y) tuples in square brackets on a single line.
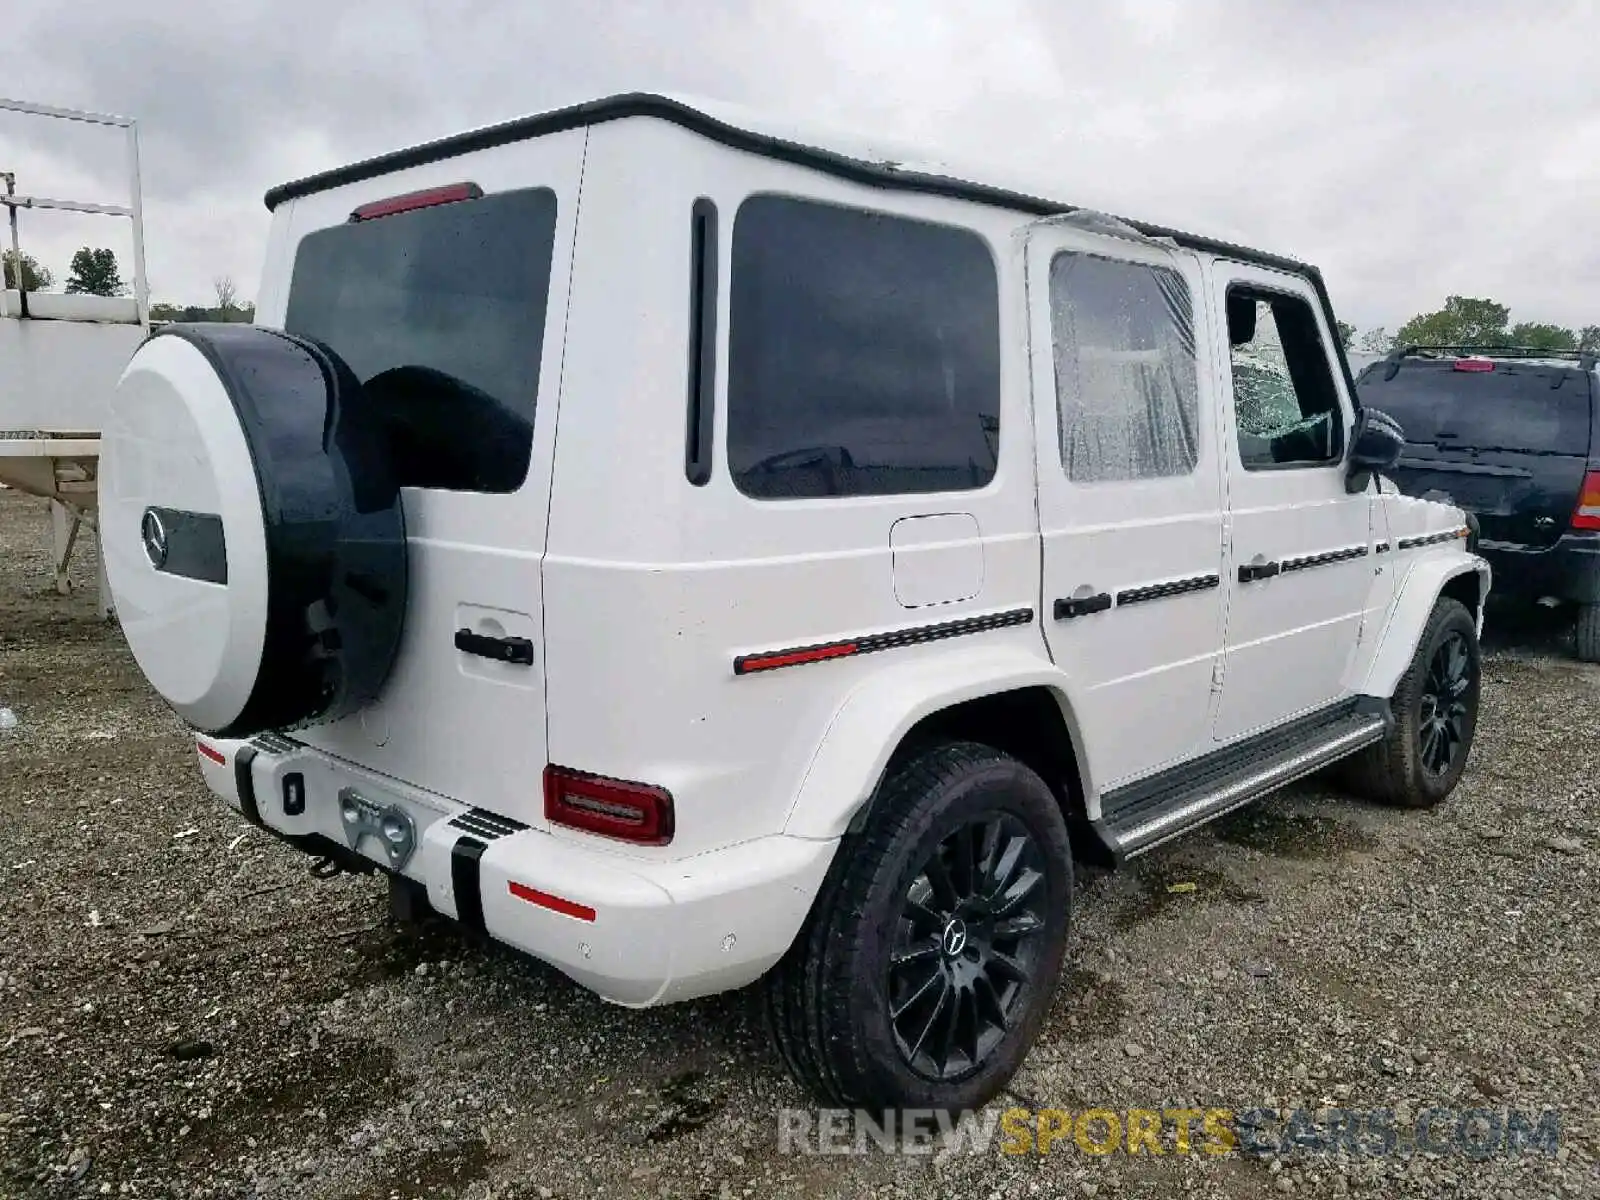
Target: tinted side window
[(1286, 408), (1126, 386), (1515, 407), (440, 313), (863, 353)]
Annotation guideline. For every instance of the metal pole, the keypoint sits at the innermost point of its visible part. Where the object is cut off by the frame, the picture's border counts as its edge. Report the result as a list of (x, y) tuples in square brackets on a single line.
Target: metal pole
[(16, 246), (141, 292)]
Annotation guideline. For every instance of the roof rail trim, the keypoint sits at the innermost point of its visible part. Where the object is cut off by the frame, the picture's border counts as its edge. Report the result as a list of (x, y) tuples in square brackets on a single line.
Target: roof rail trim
[(842, 166)]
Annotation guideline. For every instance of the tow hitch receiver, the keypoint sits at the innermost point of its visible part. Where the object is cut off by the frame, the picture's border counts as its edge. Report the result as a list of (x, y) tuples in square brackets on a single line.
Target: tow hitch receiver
[(389, 823)]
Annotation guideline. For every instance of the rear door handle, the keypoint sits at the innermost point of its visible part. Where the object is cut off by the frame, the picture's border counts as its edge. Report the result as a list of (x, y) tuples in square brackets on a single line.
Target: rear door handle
[(518, 650), (1082, 606), (1252, 571)]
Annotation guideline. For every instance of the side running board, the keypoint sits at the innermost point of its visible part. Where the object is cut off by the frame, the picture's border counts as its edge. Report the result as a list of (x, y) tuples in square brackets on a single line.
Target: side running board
[(1143, 815)]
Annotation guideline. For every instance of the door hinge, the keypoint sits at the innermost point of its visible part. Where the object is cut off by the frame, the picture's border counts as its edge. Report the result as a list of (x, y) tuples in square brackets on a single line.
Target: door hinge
[(1216, 676)]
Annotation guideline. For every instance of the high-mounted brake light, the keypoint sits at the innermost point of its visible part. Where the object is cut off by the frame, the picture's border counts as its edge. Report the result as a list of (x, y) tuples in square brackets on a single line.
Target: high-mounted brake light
[(1473, 364), (427, 198), (633, 812), (1587, 514)]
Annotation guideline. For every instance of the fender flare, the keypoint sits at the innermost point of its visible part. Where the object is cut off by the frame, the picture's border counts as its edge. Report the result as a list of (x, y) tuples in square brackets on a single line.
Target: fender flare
[(876, 716), (1408, 616)]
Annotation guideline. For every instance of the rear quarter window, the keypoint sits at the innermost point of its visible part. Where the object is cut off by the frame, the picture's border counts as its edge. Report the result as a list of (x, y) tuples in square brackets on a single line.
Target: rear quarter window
[(863, 353), (1515, 407), (440, 312)]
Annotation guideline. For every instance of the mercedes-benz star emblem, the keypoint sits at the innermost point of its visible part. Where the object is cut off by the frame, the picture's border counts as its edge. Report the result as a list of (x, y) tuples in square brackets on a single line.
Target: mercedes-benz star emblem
[(955, 938), (154, 535)]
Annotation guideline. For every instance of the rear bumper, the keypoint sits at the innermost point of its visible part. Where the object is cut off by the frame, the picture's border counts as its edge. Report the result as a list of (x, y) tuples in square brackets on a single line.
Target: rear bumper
[(636, 932), (1568, 570)]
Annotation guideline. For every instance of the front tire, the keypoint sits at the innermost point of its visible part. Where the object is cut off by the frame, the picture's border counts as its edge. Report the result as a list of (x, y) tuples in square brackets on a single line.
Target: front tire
[(1435, 710), (928, 962)]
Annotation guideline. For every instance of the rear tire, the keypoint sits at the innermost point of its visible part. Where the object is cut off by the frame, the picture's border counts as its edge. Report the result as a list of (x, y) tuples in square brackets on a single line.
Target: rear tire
[(931, 954), (1588, 633), (1435, 710)]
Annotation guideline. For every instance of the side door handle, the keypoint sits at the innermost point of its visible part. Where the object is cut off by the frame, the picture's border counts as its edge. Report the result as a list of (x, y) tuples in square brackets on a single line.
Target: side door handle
[(1082, 606), (1252, 571), (518, 650)]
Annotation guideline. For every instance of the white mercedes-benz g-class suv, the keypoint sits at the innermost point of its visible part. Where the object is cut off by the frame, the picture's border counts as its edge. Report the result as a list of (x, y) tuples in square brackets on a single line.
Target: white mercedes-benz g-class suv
[(696, 556)]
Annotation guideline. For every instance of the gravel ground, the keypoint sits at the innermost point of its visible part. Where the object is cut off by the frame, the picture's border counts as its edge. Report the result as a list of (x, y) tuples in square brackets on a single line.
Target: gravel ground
[(185, 1012)]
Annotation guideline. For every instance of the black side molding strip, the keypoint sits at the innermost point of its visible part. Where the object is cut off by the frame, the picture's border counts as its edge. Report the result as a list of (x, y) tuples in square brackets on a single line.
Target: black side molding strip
[(1307, 561), (1431, 539), (769, 660), (1160, 591), (1250, 572)]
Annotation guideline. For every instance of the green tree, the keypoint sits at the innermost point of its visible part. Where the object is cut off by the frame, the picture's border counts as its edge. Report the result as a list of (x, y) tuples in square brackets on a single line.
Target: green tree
[(1347, 333), (94, 273), (1377, 341), (35, 276), (1539, 336), (1589, 339), (1463, 321)]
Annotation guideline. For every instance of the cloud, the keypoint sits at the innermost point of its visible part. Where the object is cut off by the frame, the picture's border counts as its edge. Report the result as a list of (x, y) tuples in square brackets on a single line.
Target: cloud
[(1410, 150)]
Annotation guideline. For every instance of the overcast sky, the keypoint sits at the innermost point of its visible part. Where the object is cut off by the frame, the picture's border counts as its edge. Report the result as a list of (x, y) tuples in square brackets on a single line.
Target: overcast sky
[(1411, 149)]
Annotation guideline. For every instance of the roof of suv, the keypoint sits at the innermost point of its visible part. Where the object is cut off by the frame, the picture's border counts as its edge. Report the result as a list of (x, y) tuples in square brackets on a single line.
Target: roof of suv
[(874, 165), (1576, 360)]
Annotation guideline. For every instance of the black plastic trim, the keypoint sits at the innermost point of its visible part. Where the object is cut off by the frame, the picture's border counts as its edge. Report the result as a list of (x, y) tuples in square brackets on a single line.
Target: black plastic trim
[(244, 783), (1081, 606), (465, 879), (485, 824), (1428, 539), (1175, 587), (1327, 558), (193, 544), (704, 250), (916, 635)]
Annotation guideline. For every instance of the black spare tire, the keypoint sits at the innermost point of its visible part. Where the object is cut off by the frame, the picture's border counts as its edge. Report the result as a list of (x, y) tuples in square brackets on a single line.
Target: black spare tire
[(252, 528)]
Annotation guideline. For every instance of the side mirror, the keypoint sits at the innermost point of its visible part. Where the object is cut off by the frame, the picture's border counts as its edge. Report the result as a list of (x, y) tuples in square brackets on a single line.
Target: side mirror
[(1376, 447)]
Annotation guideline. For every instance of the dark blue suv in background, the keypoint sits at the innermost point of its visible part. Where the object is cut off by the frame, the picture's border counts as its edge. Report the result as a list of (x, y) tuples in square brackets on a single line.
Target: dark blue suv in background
[(1511, 437)]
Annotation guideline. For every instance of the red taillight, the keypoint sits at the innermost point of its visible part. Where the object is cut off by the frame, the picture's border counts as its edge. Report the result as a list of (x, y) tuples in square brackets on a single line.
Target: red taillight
[(1587, 514), (633, 812), (1474, 364), (426, 198), (211, 752)]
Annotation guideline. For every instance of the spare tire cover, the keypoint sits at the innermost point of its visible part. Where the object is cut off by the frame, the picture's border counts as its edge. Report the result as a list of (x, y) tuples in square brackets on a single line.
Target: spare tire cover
[(252, 529)]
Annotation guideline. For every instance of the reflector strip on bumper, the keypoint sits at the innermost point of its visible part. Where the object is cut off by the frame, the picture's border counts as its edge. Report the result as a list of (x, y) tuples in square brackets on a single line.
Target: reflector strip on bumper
[(769, 660), (566, 908)]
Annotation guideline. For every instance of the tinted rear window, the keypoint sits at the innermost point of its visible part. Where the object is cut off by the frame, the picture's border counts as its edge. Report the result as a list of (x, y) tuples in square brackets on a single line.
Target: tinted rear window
[(440, 312), (1514, 407), (863, 353)]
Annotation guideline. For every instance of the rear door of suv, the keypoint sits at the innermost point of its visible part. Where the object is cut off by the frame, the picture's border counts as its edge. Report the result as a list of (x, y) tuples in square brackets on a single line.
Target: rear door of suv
[(1505, 440), (443, 287)]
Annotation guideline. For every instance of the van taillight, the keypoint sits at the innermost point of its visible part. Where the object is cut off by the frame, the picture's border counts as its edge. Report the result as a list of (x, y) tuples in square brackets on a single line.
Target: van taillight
[(633, 812), (1587, 514)]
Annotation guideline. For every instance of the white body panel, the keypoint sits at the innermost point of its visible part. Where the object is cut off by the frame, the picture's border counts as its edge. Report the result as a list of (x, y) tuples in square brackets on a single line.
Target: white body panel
[(639, 590)]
